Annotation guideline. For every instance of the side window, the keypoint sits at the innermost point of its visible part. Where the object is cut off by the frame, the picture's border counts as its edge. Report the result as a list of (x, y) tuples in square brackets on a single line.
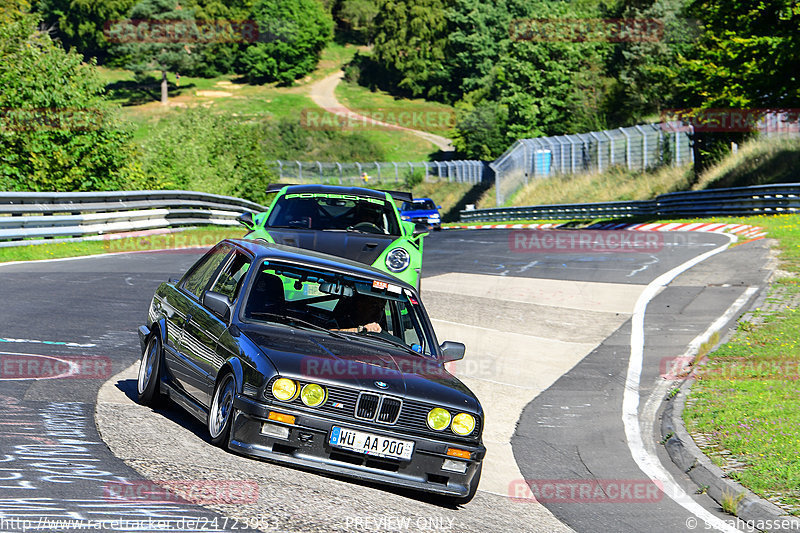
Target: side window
[(200, 274), (229, 280)]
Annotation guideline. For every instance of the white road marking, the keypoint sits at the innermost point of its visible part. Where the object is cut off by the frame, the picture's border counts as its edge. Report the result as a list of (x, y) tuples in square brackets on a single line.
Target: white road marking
[(648, 462), (52, 343), (663, 385)]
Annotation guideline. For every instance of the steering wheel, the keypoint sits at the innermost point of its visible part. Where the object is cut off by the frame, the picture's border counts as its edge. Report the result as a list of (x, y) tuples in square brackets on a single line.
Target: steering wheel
[(367, 227)]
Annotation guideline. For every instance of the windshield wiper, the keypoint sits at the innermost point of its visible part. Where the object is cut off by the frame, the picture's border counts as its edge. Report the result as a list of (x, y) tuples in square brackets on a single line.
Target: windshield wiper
[(292, 321)]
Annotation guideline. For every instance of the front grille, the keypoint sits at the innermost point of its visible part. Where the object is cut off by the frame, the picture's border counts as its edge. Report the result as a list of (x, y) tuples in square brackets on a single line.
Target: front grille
[(390, 410), (367, 406), (405, 415)]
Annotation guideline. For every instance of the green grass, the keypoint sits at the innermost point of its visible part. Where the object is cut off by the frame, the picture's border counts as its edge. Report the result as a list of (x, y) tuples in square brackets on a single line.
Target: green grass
[(202, 236), (418, 114), (747, 400)]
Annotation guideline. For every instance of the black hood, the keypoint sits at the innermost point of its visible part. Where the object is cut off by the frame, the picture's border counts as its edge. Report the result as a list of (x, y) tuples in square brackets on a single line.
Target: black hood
[(356, 363), (361, 247)]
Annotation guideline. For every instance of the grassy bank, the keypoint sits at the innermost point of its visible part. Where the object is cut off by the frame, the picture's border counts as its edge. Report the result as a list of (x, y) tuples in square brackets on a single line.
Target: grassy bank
[(744, 410), (756, 162)]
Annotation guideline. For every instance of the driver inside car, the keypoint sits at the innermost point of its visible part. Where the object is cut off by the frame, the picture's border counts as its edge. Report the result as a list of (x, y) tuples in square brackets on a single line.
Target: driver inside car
[(360, 313)]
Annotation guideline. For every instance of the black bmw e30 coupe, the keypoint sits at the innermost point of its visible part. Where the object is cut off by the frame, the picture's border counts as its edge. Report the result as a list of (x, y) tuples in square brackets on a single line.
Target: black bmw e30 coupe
[(312, 360)]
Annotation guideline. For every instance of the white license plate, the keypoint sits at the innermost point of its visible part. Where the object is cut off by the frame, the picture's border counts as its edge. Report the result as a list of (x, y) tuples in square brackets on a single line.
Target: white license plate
[(371, 444)]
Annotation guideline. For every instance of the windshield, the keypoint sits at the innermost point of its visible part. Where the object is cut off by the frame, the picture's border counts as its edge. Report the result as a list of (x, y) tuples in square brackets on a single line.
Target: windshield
[(332, 211), (418, 205), (343, 305)]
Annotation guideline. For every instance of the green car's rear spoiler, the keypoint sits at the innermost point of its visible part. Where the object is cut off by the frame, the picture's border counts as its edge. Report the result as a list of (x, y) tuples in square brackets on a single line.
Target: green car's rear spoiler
[(402, 196)]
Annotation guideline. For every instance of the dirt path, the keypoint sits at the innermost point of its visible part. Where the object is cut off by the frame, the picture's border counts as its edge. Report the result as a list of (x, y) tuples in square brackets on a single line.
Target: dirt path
[(323, 94)]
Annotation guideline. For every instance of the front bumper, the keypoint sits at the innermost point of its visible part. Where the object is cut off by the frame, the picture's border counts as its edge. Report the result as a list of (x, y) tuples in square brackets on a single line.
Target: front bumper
[(307, 446)]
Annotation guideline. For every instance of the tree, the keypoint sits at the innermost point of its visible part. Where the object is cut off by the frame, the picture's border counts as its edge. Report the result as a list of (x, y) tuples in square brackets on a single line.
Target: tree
[(292, 34), (158, 35), (57, 132), (481, 131), (356, 17), (748, 57), (410, 40), (80, 24), (13, 10)]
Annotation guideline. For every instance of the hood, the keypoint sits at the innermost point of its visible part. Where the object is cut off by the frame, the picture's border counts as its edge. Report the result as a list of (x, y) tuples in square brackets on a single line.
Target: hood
[(316, 357), (361, 247)]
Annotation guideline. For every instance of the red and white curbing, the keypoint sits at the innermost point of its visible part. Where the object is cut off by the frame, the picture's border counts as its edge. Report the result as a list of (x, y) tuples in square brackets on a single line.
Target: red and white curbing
[(744, 230)]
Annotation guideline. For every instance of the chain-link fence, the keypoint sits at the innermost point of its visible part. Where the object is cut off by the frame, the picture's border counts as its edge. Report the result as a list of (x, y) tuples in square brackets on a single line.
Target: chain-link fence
[(337, 173), (637, 147)]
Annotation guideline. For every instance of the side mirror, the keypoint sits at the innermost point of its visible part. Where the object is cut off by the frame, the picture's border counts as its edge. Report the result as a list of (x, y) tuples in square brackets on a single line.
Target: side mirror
[(218, 304), (438, 207), (452, 351), (246, 220), (420, 229)]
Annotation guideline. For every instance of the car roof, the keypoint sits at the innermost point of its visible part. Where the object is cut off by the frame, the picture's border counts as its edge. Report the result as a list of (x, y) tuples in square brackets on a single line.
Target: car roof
[(279, 252)]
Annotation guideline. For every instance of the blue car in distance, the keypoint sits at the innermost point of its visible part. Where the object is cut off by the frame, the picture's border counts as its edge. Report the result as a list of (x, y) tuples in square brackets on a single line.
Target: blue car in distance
[(422, 211)]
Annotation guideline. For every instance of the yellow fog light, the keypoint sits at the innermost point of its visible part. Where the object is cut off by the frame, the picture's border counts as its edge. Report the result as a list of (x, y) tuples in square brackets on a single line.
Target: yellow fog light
[(312, 395), (438, 418), (463, 424), (284, 389)]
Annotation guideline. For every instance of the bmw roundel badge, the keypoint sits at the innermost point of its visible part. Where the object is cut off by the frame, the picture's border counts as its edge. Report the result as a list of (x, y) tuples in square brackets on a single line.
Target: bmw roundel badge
[(381, 384)]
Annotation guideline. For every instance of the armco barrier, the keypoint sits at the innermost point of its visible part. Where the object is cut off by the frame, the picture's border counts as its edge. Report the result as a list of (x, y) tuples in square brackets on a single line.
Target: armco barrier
[(35, 217), (740, 201)]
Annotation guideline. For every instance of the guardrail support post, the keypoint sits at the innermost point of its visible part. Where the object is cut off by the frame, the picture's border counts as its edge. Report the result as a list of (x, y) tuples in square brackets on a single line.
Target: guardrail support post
[(299, 170)]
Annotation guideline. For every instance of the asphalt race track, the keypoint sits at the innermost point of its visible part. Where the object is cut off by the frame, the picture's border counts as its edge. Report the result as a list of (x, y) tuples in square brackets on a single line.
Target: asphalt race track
[(548, 334)]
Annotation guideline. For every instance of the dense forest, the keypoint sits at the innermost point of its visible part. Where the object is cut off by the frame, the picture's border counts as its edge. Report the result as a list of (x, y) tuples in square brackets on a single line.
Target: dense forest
[(511, 68)]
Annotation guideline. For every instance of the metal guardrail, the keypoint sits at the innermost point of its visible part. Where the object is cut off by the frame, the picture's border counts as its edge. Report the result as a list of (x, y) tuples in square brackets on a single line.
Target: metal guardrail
[(36, 217), (740, 201)]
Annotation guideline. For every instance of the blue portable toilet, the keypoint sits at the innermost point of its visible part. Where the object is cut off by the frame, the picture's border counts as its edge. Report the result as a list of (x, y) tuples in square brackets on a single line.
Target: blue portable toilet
[(541, 162)]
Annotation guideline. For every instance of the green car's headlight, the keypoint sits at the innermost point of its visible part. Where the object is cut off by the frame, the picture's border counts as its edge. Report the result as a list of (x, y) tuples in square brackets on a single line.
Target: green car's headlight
[(398, 260), (463, 424), (313, 395), (438, 418), (284, 389)]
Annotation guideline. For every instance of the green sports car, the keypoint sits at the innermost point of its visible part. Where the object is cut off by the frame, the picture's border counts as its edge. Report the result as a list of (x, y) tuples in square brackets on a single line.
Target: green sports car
[(352, 222)]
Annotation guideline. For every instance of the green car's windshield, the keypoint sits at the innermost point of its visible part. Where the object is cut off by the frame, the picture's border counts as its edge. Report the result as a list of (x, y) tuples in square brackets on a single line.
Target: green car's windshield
[(375, 310), (333, 211)]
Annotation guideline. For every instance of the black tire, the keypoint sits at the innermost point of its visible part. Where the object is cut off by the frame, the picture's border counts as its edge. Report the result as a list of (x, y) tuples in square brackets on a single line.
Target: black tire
[(148, 384), (220, 416), (473, 488)]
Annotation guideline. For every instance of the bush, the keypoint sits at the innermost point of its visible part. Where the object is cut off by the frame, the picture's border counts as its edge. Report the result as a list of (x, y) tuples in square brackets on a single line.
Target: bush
[(292, 33), (57, 131)]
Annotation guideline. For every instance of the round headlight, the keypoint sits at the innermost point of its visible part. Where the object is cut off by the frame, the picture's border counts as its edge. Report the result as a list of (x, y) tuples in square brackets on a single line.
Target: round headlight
[(284, 389), (398, 260), (463, 424), (312, 395), (438, 418)]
